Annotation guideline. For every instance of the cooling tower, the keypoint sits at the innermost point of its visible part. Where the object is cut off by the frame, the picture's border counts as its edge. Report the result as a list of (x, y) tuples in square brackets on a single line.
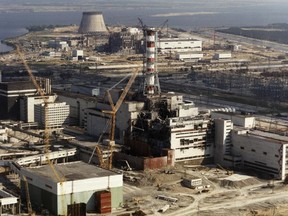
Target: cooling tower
[(92, 22)]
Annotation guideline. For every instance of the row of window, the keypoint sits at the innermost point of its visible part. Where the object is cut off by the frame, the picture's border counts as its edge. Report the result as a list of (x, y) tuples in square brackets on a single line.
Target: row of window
[(253, 150)]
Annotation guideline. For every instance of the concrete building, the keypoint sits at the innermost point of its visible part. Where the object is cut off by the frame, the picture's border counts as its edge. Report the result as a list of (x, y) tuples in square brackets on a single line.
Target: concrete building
[(245, 121), (78, 54), (182, 56), (89, 90), (81, 183), (96, 120), (27, 106), (223, 141), (219, 56), (165, 45), (10, 93), (261, 151), (193, 182), (78, 104), (61, 45), (9, 204), (123, 42), (192, 138), (51, 54), (55, 114)]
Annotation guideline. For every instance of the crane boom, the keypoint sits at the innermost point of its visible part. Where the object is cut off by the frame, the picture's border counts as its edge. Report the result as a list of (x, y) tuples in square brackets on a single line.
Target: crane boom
[(114, 109)]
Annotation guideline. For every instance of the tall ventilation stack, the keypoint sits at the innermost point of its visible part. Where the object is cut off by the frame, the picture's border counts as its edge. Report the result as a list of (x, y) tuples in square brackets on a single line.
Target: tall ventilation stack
[(151, 83), (92, 23)]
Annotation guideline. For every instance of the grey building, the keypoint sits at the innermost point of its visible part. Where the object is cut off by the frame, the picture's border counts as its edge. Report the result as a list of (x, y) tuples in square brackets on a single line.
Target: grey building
[(10, 93)]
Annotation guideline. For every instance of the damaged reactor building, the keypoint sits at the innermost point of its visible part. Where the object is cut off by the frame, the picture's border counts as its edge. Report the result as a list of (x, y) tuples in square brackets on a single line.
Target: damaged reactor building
[(155, 128)]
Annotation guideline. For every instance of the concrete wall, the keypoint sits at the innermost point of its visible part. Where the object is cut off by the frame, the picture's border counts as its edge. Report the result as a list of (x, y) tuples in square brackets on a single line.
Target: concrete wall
[(240, 120), (97, 120), (223, 142), (142, 163), (190, 139), (265, 155), (179, 44), (88, 197), (78, 106), (57, 205)]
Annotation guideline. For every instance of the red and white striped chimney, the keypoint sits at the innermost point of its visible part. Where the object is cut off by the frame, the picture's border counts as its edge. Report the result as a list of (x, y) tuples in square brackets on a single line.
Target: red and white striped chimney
[(151, 84)]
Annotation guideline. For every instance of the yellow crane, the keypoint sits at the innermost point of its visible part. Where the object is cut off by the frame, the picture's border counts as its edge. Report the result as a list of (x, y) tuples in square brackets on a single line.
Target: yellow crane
[(29, 206), (46, 130), (113, 111)]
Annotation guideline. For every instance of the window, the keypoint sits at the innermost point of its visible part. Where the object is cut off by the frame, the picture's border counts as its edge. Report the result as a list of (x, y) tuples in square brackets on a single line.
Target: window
[(277, 156), (265, 153), (253, 150), (241, 147)]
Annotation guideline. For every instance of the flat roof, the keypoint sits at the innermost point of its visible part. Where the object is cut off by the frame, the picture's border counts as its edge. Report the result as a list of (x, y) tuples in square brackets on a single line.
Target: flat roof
[(276, 138), (176, 39), (71, 171), (75, 95)]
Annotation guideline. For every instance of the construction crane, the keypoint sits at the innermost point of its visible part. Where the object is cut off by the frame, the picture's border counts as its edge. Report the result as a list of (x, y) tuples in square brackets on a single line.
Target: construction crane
[(29, 206), (161, 27), (43, 96), (46, 130), (113, 111)]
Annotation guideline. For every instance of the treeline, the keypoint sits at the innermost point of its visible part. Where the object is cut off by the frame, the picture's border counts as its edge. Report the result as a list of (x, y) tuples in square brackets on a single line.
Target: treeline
[(276, 36), (34, 28)]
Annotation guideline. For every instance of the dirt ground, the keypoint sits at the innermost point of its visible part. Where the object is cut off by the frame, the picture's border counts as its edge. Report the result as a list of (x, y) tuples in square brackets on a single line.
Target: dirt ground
[(243, 195)]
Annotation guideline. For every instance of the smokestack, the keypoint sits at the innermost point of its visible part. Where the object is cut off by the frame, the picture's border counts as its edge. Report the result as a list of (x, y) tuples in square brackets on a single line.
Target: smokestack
[(0, 76), (92, 22), (151, 83)]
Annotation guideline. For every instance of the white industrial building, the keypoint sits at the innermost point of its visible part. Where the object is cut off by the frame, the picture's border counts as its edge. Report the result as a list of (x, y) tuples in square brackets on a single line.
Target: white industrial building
[(27, 106), (245, 121), (165, 45), (223, 141), (182, 56), (239, 144), (56, 114), (78, 104), (191, 138), (219, 56), (79, 183), (97, 121), (77, 54), (262, 151)]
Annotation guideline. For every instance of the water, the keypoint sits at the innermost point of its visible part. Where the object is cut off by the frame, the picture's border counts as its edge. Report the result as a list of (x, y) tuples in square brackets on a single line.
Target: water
[(13, 24)]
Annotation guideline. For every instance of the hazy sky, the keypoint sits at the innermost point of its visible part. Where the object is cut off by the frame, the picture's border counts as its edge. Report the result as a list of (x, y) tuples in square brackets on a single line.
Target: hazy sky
[(188, 5)]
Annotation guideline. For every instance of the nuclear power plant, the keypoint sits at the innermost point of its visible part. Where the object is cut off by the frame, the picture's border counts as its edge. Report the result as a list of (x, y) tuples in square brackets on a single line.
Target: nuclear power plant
[(92, 23), (142, 120)]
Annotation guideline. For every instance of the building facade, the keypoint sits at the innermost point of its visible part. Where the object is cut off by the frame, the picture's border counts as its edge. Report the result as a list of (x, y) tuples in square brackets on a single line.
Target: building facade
[(55, 114), (27, 106), (165, 45), (80, 184), (10, 93)]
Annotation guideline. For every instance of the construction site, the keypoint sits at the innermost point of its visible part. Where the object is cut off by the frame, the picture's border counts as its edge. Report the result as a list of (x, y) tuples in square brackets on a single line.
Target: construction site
[(141, 120)]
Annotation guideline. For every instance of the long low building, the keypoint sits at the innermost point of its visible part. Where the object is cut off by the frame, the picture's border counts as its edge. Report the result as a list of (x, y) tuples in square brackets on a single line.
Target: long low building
[(188, 55), (165, 45)]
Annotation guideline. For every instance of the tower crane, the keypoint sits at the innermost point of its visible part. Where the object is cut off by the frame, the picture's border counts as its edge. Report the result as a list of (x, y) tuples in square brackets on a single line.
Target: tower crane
[(113, 111), (46, 130), (161, 27)]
